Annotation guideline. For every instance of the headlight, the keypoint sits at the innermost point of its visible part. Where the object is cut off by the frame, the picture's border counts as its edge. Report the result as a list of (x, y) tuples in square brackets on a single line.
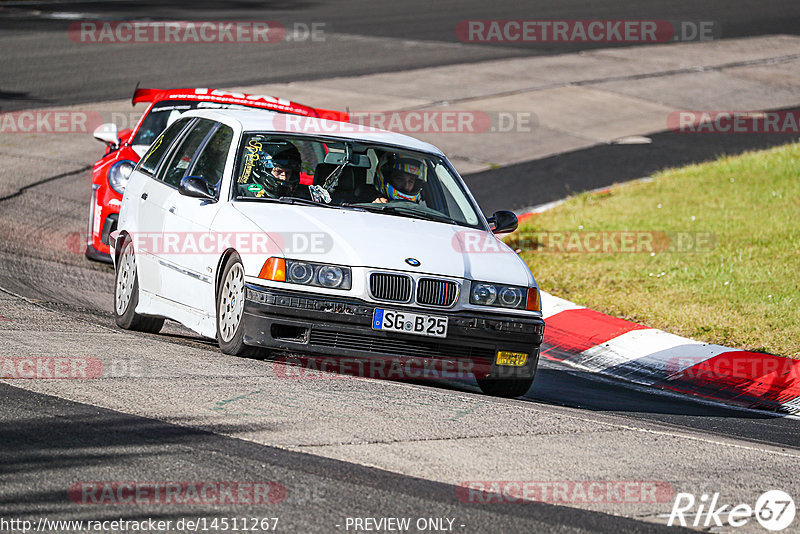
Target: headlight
[(511, 297), (316, 274), (483, 294), (502, 296), (118, 175), (330, 276), (300, 273)]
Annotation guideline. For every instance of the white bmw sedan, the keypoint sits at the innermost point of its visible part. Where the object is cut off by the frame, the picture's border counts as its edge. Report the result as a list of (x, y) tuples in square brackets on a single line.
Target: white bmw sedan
[(385, 255)]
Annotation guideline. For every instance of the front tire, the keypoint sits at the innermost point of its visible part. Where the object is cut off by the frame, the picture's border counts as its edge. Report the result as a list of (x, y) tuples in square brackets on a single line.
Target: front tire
[(230, 310), (126, 295), (505, 387)]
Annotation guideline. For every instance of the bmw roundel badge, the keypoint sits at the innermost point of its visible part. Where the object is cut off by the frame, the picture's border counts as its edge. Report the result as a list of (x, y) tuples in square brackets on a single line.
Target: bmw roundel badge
[(414, 262)]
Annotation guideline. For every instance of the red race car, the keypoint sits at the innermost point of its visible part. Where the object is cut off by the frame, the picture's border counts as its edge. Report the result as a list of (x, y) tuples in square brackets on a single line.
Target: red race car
[(124, 148)]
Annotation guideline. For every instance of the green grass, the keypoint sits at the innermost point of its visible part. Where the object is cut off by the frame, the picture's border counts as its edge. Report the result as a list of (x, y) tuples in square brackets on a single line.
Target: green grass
[(741, 290)]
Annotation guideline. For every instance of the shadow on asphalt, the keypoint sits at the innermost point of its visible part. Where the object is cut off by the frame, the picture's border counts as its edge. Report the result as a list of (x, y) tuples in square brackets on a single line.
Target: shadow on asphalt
[(52, 449), (557, 384), (549, 179)]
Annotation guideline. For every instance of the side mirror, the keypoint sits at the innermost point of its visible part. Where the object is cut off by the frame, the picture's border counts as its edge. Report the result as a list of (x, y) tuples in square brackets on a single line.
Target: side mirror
[(503, 222), (107, 133), (195, 187)]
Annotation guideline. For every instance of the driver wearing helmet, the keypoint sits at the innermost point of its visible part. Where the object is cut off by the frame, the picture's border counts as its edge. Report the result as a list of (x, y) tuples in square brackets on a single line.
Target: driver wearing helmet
[(399, 178), (272, 169)]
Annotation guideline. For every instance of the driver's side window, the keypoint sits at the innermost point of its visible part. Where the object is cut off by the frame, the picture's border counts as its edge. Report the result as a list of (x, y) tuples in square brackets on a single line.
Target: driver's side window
[(210, 164), (159, 147), (183, 156)]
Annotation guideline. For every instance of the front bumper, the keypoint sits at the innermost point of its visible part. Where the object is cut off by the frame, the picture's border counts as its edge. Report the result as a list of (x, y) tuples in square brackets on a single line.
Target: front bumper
[(102, 221), (338, 327), (96, 255)]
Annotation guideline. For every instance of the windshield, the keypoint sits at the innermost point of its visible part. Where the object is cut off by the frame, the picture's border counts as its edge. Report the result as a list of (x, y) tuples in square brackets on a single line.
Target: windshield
[(352, 175), (164, 113)]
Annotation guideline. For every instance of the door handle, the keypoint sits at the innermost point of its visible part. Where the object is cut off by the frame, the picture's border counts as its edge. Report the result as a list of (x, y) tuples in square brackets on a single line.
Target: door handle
[(172, 209), (144, 196)]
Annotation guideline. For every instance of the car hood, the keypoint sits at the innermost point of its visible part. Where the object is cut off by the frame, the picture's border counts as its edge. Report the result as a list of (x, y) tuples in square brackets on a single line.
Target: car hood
[(381, 241)]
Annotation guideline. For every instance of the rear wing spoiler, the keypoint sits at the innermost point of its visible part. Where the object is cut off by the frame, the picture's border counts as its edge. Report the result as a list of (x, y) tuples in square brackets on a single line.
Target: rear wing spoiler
[(332, 115), (141, 94)]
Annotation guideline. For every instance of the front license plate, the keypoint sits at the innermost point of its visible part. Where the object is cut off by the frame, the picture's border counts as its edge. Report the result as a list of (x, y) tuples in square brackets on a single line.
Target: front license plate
[(409, 323), (513, 359)]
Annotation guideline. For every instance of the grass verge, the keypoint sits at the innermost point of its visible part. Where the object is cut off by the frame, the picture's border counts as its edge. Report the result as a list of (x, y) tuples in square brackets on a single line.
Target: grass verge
[(709, 251)]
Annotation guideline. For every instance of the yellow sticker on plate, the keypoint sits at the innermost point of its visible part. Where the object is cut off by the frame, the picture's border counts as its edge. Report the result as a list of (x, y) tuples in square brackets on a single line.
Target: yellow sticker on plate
[(514, 359)]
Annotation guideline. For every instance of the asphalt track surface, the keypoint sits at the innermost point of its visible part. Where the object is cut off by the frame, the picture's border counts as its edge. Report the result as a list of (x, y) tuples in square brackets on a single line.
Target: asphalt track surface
[(143, 447), (47, 442)]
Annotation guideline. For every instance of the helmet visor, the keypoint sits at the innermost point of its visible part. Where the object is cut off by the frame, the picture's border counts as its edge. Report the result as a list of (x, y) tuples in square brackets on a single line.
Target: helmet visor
[(407, 176), (405, 182), (282, 163)]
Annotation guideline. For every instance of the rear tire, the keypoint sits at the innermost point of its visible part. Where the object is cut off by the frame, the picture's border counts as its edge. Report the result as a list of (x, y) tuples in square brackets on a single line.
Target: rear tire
[(230, 310), (126, 295), (505, 387)]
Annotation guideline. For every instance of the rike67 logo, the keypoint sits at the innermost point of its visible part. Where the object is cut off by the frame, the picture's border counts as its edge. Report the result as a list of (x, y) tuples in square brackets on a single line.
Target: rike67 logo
[(774, 510)]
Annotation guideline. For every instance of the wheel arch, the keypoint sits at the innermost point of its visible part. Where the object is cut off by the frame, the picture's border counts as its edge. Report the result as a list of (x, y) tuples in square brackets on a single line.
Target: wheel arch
[(223, 260), (117, 242)]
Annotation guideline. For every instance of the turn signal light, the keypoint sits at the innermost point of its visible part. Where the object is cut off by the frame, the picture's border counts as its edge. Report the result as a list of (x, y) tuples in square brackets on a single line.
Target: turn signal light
[(534, 302), (274, 269)]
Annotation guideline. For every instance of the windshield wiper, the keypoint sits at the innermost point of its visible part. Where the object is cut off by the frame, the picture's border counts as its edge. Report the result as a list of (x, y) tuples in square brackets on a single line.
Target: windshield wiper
[(382, 208), (256, 199), (303, 201), (287, 200), (395, 210)]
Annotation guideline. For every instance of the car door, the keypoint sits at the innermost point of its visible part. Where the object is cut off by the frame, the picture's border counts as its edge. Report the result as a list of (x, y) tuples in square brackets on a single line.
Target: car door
[(188, 278), (147, 198)]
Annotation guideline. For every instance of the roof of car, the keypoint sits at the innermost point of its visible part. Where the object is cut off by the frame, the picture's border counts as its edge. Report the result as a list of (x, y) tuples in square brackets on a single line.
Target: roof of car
[(255, 120)]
